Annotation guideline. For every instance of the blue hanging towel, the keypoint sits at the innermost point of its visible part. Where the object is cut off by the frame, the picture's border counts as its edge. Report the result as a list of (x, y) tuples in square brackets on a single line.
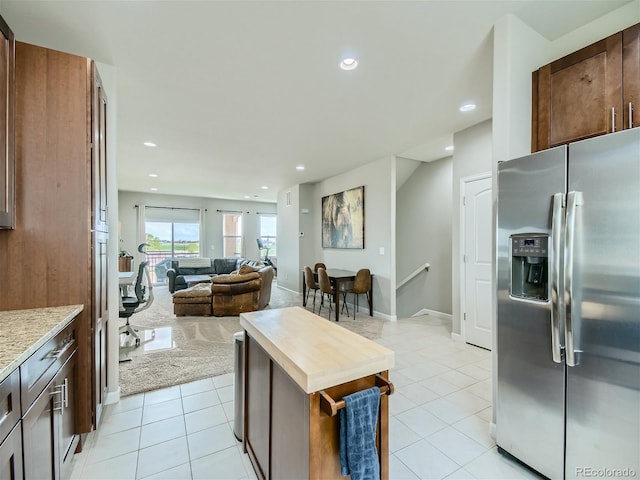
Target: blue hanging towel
[(358, 421)]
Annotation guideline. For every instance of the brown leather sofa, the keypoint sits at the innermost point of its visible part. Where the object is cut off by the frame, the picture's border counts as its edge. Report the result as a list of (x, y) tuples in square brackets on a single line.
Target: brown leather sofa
[(245, 290)]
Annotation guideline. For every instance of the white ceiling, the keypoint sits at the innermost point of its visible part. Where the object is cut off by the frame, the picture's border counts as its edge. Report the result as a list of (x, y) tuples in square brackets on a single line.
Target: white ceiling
[(237, 93)]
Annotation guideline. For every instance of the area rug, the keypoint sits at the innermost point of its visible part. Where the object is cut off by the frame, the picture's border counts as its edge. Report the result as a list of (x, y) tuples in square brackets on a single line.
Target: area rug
[(202, 346)]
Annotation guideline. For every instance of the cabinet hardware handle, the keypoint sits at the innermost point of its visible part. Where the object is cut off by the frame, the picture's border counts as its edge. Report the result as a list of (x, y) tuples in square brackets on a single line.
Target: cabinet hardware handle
[(58, 390), (630, 115), (58, 353), (613, 119), (65, 392)]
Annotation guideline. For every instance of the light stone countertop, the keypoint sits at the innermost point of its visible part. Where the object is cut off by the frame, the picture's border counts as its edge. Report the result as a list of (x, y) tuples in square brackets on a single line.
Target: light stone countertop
[(22, 332), (314, 352)]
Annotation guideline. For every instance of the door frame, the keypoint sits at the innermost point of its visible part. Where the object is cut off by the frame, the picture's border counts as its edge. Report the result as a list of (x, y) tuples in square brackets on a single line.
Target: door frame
[(463, 278)]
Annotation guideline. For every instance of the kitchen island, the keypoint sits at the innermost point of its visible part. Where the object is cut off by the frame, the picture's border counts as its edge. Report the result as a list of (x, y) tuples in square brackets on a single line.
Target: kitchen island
[(298, 367)]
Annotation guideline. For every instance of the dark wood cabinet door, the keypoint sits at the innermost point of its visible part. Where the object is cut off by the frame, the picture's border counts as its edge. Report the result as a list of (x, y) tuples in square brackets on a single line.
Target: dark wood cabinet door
[(39, 447), (68, 438), (579, 96), (257, 405), (53, 188), (631, 76), (11, 455), (289, 427)]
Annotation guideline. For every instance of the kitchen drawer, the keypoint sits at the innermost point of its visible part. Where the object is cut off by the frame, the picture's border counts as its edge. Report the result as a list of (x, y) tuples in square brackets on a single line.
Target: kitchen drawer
[(9, 403), (38, 370)]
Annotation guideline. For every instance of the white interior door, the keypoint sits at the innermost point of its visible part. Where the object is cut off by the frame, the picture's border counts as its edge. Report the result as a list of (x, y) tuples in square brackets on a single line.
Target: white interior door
[(477, 291)]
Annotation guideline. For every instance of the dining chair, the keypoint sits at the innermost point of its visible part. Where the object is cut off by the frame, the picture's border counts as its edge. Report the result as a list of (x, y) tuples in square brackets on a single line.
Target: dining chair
[(361, 284), (310, 280), (325, 289), (319, 265)]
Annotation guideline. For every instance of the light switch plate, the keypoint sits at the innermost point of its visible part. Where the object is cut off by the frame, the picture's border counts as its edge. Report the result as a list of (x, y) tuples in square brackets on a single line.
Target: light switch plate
[(381, 250)]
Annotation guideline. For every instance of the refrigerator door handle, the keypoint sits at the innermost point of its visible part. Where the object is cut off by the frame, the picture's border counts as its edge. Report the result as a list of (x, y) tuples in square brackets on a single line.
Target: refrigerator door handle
[(574, 199), (556, 256)]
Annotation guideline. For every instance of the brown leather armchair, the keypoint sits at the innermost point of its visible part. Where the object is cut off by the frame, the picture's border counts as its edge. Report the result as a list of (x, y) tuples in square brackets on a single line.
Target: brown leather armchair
[(235, 294), (245, 290)]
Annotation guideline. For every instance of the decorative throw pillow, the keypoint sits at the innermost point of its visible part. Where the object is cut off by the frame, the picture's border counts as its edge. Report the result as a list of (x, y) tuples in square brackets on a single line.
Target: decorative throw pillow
[(247, 269)]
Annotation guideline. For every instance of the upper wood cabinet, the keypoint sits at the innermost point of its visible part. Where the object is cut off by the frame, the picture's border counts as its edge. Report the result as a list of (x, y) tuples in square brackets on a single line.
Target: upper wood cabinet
[(7, 97), (631, 76), (587, 93), (56, 248)]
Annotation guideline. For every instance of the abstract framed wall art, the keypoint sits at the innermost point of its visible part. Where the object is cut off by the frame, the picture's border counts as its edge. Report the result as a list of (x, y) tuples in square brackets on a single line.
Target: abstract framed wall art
[(343, 219)]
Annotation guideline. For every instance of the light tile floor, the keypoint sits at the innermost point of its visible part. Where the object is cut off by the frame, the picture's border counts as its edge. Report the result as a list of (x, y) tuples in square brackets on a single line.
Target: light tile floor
[(438, 426)]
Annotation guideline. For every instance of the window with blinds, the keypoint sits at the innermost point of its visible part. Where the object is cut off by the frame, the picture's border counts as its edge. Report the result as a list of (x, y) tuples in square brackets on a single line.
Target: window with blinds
[(170, 233)]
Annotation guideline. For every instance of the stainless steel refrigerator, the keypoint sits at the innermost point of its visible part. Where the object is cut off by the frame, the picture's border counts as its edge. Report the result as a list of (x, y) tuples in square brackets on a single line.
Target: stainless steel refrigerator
[(568, 312)]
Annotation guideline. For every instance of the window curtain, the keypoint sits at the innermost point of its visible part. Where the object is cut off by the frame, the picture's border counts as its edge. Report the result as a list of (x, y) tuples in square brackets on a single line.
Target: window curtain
[(142, 234), (203, 236)]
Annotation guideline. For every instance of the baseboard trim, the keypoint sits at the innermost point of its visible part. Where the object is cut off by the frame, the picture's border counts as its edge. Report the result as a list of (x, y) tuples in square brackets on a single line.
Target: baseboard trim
[(433, 313), (287, 289), (391, 318), (112, 397), (456, 337), (492, 430), (363, 310)]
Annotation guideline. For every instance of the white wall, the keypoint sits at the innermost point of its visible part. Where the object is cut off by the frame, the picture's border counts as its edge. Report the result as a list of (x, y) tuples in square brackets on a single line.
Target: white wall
[(378, 178), (472, 156), (306, 230), (288, 239), (213, 219), (423, 226)]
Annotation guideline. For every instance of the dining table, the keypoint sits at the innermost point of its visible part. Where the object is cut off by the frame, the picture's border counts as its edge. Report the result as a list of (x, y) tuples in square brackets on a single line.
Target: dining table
[(338, 277)]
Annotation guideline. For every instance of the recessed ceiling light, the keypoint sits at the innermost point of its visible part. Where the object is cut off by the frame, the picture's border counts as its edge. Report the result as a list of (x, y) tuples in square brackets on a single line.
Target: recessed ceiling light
[(153, 175), (154, 189), (300, 167), (264, 187), (149, 144), (468, 107), (348, 63), (449, 148), (247, 196)]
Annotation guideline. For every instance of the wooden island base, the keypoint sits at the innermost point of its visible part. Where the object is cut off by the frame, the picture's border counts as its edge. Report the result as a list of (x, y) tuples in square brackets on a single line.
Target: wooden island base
[(287, 432)]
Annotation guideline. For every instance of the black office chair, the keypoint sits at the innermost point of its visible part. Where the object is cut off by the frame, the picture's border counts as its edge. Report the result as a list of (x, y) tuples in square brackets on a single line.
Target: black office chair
[(131, 305)]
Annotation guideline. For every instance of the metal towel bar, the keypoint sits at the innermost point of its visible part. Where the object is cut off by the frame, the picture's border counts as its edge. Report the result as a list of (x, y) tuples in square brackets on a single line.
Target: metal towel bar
[(331, 407)]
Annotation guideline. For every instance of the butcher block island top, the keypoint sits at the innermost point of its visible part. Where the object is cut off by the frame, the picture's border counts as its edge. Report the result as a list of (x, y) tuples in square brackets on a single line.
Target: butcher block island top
[(22, 332), (316, 353)]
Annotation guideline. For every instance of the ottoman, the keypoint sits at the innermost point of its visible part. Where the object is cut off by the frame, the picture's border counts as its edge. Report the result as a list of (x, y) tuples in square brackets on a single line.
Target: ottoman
[(194, 300)]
